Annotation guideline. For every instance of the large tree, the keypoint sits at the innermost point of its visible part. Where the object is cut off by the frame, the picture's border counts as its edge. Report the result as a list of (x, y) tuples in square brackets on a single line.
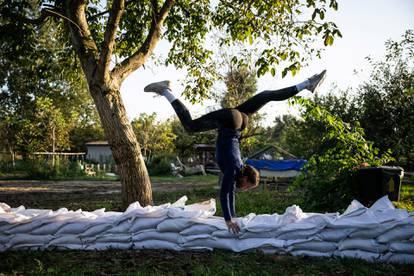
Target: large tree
[(285, 32)]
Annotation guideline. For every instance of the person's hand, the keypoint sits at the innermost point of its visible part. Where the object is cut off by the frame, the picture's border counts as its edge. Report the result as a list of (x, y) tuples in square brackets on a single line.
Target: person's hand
[(233, 226)]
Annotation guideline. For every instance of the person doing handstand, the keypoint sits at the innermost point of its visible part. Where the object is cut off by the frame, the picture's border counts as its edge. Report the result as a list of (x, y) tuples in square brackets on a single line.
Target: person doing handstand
[(230, 122)]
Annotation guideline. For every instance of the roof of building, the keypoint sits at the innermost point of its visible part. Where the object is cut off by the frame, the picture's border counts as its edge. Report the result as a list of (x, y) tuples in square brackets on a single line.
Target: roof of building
[(97, 143)]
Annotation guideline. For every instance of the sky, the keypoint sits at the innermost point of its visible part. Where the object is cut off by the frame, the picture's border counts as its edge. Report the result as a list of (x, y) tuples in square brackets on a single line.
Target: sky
[(365, 26)]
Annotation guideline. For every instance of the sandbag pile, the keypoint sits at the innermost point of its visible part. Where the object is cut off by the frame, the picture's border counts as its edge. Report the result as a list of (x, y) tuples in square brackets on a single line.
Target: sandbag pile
[(380, 233)]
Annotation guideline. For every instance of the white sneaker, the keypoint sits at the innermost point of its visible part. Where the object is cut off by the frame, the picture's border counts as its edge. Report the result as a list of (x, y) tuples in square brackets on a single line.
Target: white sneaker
[(158, 87), (316, 80)]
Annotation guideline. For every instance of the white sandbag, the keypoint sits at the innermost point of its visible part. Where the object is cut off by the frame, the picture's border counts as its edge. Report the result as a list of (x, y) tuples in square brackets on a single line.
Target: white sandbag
[(198, 229), (63, 240), (123, 227), (174, 225), (358, 254), (136, 210), (236, 245), (202, 209), (370, 233), (398, 233), (311, 253), (248, 244), (29, 240), (28, 247), (94, 230), (217, 222), (4, 208), (402, 247), (5, 239), (356, 219), (172, 237), (108, 245), (334, 235), (73, 228), (67, 247), (362, 244), (385, 211), (156, 244), (196, 248), (228, 244), (400, 258), (184, 239), (48, 228), (354, 209), (111, 238), (311, 245), (228, 234), (25, 227), (141, 223), (263, 223), (248, 234), (298, 234)]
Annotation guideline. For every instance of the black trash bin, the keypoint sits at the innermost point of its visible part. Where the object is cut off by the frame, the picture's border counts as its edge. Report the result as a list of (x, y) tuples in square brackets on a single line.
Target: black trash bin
[(373, 183)]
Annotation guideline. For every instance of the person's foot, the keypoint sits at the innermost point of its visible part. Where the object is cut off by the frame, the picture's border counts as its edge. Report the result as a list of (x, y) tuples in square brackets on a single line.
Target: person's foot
[(157, 87), (315, 81)]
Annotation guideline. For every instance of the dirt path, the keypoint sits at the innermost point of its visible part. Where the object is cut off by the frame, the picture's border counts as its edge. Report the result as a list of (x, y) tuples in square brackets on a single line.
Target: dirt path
[(85, 186)]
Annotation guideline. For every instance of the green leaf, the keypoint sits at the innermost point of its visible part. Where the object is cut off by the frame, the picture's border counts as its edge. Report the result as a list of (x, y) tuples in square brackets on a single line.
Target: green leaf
[(328, 40)]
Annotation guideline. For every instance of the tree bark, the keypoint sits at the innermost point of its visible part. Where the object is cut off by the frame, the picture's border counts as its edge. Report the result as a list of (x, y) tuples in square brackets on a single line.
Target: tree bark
[(126, 151)]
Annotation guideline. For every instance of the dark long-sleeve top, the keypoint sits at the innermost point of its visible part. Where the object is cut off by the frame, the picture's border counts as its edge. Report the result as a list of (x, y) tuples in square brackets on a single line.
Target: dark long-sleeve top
[(229, 160)]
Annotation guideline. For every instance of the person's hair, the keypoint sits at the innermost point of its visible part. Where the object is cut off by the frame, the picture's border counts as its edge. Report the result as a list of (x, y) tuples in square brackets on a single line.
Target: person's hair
[(251, 173)]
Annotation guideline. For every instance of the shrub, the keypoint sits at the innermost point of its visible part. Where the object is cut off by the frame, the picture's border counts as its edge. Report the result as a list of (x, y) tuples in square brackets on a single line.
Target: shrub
[(160, 164), (328, 177)]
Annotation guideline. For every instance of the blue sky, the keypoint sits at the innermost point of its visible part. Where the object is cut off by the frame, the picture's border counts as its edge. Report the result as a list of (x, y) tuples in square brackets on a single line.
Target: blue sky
[(365, 26)]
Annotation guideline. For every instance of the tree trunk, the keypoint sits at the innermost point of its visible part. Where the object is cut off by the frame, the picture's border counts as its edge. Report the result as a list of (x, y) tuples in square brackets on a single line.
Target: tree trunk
[(12, 154), (126, 151)]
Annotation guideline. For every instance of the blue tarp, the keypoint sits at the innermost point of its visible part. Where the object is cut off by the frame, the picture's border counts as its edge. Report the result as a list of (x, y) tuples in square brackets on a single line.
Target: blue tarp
[(277, 165)]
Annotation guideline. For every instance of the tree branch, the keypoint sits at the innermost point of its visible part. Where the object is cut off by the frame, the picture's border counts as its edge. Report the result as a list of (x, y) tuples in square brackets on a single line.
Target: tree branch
[(118, 7), (107, 11), (130, 64), (81, 36)]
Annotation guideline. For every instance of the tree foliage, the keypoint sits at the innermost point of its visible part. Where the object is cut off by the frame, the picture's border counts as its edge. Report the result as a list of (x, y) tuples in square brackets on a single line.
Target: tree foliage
[(343, 149), (41, 88), (386, 101), (154, 137)]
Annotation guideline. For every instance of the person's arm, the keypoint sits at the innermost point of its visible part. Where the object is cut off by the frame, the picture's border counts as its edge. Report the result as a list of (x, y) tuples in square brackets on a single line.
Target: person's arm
[(226, 191)]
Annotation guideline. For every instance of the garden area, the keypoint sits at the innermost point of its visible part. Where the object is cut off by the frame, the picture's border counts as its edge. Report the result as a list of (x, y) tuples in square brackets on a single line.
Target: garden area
[(165, 262)]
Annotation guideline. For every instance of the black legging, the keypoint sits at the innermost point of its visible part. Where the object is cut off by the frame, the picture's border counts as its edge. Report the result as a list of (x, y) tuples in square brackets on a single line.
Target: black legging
[(233, 118)]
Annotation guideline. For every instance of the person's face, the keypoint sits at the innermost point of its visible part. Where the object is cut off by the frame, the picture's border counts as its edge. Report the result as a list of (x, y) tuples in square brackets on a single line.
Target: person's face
[(246, 184)]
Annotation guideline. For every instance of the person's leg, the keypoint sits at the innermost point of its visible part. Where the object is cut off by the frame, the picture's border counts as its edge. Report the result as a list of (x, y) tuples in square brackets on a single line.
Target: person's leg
[(259, 100), (213, 120), (253, 104)]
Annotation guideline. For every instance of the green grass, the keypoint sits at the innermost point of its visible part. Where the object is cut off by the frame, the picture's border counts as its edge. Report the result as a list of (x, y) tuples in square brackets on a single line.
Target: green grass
[(406, 198), (163, 262)]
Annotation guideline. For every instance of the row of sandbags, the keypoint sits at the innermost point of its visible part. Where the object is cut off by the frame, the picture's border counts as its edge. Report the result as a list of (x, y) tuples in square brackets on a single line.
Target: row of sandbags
[(379, 233)]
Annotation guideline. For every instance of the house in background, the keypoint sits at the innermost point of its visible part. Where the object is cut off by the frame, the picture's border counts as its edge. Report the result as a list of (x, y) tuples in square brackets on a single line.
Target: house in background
[(99, 151)]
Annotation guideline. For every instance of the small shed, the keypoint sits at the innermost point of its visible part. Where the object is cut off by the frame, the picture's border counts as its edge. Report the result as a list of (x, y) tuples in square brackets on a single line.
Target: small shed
[(207, 156), (99, 151)]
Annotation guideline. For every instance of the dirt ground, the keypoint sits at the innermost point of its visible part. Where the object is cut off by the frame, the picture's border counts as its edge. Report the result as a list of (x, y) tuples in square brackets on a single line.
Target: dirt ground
[(82, 194), (85, 186)]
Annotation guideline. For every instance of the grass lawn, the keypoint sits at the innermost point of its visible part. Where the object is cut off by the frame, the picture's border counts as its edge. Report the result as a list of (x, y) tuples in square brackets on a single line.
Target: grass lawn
[(162, 262)]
